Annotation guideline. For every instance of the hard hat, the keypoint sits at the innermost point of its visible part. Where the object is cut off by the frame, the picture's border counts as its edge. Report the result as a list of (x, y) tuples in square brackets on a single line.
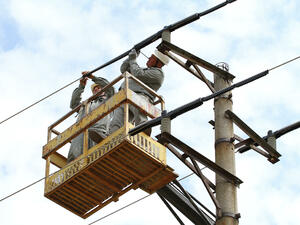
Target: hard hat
[(93, 86), (162, 57)]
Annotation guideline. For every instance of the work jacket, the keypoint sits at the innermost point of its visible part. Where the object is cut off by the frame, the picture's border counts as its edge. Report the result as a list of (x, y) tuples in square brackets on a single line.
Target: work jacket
[(76, 147), (153, 77)]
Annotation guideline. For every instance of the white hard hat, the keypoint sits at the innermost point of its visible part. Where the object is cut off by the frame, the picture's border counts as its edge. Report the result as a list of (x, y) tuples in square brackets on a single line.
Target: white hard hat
[(162, 57)]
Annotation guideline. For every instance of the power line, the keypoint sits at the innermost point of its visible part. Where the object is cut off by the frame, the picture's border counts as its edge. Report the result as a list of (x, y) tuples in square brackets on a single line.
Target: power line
[(139, 46), (132, 203), (42, 99), (35, 182), (22, 189), (282, 64)]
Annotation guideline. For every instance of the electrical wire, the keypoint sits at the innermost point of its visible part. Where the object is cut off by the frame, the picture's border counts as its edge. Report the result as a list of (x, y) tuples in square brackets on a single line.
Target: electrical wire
[(22, 189), (282, 64), (136, 201), (144, 55), (42, 99), (35, 182)]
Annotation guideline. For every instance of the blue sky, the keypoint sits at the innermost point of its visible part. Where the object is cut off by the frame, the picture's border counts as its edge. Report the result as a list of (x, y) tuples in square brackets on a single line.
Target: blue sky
[(46, 44)]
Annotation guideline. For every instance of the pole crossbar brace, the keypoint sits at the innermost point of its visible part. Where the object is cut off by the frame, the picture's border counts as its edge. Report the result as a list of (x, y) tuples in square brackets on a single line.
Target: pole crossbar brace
[(252, 146), (188, 164), (254, 136), (168, 138), (276, 134), (246, 143), (186, 66), (213, 198), (167, 46)]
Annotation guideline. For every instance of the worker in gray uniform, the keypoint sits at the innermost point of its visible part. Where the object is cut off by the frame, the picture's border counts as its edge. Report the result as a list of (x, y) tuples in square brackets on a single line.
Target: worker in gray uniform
[(99, 130), (152, 76)]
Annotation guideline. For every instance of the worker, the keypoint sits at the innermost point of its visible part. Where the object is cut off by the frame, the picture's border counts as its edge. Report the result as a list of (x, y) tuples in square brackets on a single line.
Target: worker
[(152, 76), (100, 129)]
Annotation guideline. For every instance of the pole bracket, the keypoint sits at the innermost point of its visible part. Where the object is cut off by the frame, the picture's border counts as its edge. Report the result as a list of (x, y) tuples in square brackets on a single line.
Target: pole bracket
[(229, 214), (221, 140)]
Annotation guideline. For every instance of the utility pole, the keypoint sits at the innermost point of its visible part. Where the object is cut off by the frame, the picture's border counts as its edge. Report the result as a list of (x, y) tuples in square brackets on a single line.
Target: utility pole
[(224, 151)]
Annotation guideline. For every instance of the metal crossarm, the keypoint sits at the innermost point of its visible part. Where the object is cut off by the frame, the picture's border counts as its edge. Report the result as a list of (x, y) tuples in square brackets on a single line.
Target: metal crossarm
[(244, 127), (167, 46), (168, 138), (183, 158), (277, 134)]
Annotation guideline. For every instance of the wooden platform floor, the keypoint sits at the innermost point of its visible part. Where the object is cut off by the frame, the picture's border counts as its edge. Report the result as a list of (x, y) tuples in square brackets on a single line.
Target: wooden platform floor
[(124, 167)]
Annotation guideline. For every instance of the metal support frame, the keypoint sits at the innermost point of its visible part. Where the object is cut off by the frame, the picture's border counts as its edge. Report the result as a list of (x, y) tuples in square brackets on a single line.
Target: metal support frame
[(206, 81), (166, 46), (277, 134), (183, 158), (204, 180), (274, 155), (168, 138), (252, 146), (244, 145)]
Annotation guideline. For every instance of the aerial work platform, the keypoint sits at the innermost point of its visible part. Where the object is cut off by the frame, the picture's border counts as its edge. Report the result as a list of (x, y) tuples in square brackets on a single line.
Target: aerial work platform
[(111, 168)]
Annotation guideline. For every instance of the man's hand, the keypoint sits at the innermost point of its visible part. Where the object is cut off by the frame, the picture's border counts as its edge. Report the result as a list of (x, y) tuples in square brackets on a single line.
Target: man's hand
[(132, 54), (83, 81), (91, 76)]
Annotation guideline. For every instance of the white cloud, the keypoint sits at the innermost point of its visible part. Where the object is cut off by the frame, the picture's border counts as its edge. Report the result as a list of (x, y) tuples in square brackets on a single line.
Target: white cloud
[(54, 41)]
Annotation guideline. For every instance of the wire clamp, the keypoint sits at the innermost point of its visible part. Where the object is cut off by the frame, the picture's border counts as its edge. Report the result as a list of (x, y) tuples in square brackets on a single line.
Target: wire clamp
[(165, 123)]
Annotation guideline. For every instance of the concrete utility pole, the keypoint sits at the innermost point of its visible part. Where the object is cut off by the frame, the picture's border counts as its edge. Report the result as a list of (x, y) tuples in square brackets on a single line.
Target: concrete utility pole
[(224, 151)]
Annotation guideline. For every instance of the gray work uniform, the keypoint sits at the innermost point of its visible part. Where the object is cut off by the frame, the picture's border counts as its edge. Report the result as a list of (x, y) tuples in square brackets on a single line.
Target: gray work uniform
[(76, 148), (153, 77)]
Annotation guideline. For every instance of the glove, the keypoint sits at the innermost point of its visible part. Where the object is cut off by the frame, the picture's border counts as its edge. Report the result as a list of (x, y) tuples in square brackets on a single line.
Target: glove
[(125, 66), (132, 54)]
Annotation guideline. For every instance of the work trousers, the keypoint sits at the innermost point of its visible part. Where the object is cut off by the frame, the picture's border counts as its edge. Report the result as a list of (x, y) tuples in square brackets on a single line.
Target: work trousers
[(76, 148)]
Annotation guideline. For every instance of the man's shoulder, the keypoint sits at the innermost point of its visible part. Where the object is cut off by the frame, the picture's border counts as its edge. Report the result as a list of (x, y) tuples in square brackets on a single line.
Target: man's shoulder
[(154, 68)]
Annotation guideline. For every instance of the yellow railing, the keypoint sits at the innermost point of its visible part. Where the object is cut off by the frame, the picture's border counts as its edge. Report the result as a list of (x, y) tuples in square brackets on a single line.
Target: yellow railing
[(141, 140), (126, 97)]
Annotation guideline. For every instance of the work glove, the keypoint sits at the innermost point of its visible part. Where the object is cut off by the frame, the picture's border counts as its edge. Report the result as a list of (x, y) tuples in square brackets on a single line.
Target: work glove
[(132, 54), (125, 66)]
